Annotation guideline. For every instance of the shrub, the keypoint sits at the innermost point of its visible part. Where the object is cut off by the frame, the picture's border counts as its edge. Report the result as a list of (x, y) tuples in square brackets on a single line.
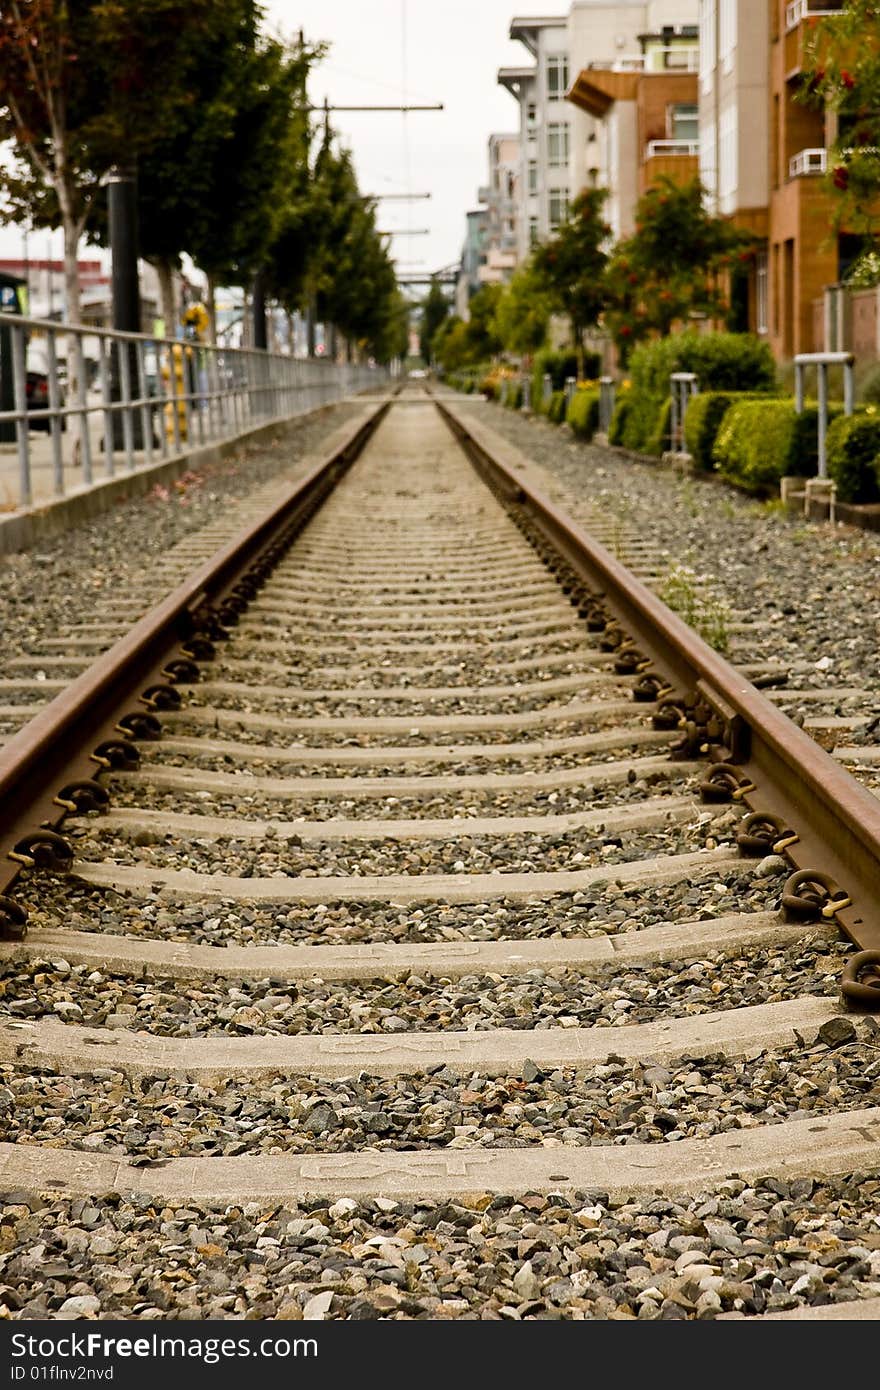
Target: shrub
[(762, 440), (556, 407), (721, 361), (560, 366), (617, 428), (702, 422), (660, 437), (514, 395), (583, 413), (490, 387), (854, 457)]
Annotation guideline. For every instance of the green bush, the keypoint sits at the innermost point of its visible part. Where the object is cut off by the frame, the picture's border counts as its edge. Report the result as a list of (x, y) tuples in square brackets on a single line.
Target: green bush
[(560, 366), (514, 395), (660, 438), (721, 361), (617, 428), (762, 440), (490, 387), (556, 407), (854, 457), (702, 422), (583, 413)]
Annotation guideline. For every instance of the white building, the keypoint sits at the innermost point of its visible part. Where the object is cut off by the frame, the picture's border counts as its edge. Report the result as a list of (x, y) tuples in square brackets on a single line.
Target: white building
[(560, 150)]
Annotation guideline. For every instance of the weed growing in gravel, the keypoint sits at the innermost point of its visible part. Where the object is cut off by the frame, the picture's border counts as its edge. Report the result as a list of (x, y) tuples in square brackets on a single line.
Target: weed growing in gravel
[(683, 590), (687, 497)]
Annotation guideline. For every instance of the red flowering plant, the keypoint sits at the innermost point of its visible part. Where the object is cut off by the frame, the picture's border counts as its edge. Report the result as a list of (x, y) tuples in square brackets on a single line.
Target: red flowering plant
[(673, 267), (841, 75)]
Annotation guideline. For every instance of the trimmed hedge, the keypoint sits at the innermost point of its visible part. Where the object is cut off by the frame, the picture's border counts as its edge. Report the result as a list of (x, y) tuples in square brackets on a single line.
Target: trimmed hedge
[(583, 413), (705, 414), (617, 428), (721, 361), (760, 441), (660, 437), (556, 407), (560, 366), (854, 457)]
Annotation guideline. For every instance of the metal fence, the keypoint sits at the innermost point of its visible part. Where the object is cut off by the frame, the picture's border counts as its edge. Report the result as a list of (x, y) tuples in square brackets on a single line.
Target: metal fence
[(78, 403)]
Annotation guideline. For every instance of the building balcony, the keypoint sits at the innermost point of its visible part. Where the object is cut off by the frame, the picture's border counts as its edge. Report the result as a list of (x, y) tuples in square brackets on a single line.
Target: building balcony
[(655, 148), (484, 194), (800, 9), (807, 162), (678, 160), (801, 17)]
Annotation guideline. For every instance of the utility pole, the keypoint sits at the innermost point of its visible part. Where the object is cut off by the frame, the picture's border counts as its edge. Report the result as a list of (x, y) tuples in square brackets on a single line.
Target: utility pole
[(125, 291)]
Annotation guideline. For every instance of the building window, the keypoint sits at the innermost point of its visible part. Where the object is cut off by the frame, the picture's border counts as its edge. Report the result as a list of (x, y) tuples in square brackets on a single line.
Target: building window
[(533, 176), (557, 76), (557, 144), (558, 207), (533, 231), (761, 296), (682, 121), (531, 117), (708, 171)]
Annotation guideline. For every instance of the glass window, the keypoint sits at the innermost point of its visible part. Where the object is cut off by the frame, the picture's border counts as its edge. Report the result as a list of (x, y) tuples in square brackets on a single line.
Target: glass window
[(531, 115), (761, 297), (558, 207), (557, 144), (557, 76), (533, 175), (533, 231), (683, 119)]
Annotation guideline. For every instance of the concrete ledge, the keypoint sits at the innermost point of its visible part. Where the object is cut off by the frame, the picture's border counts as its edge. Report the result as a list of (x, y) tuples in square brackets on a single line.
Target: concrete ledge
[(22, 529), (822, 1147), (854, 1310)]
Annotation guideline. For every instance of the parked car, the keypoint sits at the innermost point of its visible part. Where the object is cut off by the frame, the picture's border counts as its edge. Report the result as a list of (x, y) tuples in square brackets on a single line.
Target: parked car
[(37, 386)]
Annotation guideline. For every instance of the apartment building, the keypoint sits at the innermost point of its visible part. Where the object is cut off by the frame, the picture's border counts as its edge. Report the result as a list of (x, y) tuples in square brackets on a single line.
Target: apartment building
[(645, 112), (560, 144), (500, 197), (762, 157)]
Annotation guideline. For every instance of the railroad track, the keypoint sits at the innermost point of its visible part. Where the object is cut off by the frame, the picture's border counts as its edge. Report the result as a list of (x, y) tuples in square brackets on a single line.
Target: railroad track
[(407, 884)]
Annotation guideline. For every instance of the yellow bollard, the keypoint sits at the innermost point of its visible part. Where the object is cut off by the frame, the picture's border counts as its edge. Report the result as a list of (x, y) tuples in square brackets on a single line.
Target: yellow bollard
[(178, 390)]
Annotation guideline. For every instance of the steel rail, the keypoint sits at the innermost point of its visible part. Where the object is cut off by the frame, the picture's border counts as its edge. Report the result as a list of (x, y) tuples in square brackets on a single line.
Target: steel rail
[(836, 821), (57, 747)]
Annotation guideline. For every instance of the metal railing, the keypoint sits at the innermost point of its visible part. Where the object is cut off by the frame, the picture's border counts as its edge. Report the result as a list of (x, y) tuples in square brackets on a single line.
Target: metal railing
[(673, 147), (108, 402), (799, 9), (822, 361), (807, 162), (683, 386)]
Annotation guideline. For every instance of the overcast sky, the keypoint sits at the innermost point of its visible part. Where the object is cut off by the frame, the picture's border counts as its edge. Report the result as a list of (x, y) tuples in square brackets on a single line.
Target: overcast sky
[(453, 49)]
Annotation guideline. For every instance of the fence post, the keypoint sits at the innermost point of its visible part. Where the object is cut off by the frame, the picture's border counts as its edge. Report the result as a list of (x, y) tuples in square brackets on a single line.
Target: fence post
[(570, 383), (19, 378), (606, 403), (547, 390)]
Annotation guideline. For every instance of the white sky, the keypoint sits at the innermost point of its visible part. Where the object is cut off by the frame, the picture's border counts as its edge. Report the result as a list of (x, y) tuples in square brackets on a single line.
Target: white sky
[(453, 49)]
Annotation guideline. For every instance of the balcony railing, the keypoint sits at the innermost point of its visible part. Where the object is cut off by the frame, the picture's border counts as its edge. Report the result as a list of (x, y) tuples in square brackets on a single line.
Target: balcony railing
[(674, 58), (807, 162), (799, 9), (654, 148)]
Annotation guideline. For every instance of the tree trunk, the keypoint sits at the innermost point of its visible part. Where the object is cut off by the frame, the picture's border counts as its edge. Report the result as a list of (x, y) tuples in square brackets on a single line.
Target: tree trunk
[(73, 314), (165, 272), (211, 306)]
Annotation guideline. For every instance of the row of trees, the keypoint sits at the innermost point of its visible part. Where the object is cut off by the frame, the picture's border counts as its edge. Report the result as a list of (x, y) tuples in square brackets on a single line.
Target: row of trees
[(213, 113), (677, 264)]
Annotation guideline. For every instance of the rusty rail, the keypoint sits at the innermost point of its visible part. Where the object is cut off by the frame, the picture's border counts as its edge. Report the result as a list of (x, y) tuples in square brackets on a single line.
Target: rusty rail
[(813, 811), (51, 766)]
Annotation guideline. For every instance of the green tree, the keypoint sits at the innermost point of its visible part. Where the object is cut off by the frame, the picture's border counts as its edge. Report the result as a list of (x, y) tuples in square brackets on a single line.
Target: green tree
[(571, 264), (674, 266), (435, 311), (82, 83), (480, 335), (523, 313), (841, 73)]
